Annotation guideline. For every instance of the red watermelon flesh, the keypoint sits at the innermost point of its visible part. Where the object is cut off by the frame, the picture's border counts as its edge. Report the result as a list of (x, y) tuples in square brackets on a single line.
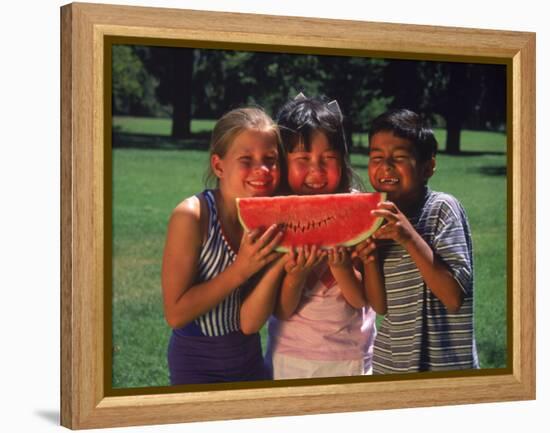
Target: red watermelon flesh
[(325, 220)]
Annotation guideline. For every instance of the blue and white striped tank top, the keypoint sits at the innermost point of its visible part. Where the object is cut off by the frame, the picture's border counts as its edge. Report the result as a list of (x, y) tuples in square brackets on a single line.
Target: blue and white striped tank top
[(215, 256)]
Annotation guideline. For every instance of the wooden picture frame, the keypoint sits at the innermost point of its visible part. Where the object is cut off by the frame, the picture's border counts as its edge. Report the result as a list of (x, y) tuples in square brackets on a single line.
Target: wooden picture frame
[(84, 223)]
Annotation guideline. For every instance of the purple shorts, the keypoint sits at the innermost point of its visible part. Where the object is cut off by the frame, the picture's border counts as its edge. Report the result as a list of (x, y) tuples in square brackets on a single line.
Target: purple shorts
[(233, 357)]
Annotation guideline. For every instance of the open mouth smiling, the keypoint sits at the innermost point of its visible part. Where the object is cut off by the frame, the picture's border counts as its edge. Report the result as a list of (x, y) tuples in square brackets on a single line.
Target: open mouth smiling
[(259, 183), (389, 180), (316, 185)]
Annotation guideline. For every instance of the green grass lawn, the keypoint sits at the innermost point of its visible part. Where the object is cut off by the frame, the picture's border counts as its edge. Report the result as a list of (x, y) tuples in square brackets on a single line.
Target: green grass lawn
[(154, 126), (148, 184)]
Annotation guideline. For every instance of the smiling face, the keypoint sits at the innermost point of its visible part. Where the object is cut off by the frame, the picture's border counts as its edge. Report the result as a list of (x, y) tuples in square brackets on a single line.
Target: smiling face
[(250, 167), (394, 168), (317, 171)]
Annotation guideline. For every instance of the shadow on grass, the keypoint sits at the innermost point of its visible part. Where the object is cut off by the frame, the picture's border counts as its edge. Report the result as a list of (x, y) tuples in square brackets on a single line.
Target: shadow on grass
[(472, 153), (200, 141), (123, 140), (362, 150), (491, 170), (488, 170)]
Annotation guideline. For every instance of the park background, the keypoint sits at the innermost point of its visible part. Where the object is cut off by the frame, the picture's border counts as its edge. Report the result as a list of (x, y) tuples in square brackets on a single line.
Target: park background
[(165, 101), (30, 186)]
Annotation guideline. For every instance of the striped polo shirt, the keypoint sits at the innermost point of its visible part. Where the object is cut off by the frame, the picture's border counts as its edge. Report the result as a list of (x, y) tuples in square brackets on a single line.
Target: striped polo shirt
[(215, 256), (418, 333)]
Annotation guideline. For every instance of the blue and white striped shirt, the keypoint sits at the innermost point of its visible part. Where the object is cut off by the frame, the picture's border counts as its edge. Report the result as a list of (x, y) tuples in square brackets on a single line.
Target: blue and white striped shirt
[(418, 333)]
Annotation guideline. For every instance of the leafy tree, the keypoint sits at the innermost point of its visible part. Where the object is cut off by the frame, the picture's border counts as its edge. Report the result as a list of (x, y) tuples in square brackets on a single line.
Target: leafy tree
[(232, 78), (283, 76), (208, 88), (206, 83), (355, 82), (133, 89), (463, 94), (228, 79)]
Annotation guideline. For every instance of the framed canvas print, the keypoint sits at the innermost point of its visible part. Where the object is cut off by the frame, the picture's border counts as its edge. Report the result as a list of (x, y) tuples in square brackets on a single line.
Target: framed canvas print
[(142, 90)]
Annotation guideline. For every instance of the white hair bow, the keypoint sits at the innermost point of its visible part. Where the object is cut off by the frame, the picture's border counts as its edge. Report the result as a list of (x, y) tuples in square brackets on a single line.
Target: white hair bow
[(332, 105)]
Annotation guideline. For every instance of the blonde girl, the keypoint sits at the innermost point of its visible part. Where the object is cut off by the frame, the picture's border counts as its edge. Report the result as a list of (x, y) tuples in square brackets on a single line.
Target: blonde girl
[(208, 261)]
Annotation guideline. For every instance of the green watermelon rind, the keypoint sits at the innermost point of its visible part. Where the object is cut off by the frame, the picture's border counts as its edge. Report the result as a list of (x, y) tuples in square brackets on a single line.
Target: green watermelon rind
[(361, 237), (239, 216)]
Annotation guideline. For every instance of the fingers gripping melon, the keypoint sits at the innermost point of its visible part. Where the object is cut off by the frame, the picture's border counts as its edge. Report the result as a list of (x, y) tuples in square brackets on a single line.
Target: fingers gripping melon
[(324, 220)]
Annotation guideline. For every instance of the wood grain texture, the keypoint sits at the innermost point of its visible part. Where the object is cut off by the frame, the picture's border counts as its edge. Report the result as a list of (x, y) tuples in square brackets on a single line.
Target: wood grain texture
[(67, 388), (524, 223), (303, 32), (84, 403)]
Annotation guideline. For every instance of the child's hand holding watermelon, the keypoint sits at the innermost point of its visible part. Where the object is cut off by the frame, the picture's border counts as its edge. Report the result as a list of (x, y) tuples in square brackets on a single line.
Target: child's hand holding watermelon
[(300, 265), (397, 227), (365, 251), (339, 258), (257, 250), (341, 266)]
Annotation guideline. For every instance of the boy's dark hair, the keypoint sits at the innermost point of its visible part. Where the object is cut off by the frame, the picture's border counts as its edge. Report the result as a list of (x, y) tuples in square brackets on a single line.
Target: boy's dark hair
[(408, 125), (300, 118)]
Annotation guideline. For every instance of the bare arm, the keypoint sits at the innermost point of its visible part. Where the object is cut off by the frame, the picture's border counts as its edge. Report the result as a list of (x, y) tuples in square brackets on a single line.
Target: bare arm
[(342, 269), (297, 269), (373, 277), (289, 296), (260, 302), (434, 271), (183, 299)]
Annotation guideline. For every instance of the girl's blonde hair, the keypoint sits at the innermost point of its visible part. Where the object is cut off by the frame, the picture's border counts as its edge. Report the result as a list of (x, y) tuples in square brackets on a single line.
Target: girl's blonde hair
[(232, 124)]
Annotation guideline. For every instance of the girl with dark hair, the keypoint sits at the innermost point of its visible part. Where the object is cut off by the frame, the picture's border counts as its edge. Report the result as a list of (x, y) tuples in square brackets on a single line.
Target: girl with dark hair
[(321, 326)]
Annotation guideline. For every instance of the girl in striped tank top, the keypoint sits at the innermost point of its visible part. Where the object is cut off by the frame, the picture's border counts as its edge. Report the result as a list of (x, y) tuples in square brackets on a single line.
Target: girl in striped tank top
[(209, 263)]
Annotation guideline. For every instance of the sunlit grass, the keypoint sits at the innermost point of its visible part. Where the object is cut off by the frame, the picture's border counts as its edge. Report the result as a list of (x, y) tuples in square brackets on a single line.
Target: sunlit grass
[(156, 126)]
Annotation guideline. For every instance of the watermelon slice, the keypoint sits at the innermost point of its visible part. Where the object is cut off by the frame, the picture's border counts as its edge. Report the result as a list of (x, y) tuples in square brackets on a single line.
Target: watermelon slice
[(325, 220)]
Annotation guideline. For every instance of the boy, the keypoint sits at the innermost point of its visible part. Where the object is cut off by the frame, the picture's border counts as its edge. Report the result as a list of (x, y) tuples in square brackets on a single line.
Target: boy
[(418, 268)]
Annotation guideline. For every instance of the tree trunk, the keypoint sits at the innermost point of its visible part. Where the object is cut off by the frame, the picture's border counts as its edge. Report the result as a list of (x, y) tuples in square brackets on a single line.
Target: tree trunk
[(457, 105), (453, 136), (348, 137), (183, 75)]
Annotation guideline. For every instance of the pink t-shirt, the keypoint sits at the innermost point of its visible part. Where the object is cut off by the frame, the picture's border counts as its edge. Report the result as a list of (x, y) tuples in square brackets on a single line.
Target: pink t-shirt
[(324, 326)]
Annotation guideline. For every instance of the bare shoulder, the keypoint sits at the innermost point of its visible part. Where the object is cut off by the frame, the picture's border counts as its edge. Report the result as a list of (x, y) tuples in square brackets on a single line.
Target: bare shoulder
[(189, 215), (189, 208), (183, 241)]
